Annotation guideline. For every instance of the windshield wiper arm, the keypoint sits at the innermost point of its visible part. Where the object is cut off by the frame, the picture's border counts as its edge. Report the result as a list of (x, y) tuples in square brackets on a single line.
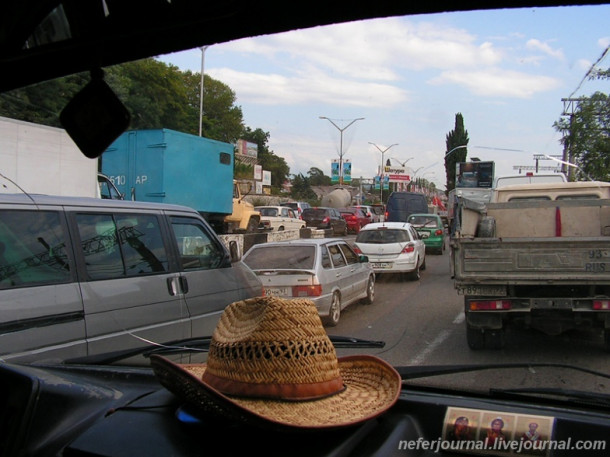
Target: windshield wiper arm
[(414, 372), (201, 344), (599, 399)]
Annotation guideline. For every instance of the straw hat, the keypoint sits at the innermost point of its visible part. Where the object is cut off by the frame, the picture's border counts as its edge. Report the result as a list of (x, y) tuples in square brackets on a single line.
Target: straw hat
[(272, 363)]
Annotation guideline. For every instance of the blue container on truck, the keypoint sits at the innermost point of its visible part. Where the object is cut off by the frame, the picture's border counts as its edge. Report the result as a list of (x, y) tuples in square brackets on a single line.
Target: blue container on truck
[(166, 166)]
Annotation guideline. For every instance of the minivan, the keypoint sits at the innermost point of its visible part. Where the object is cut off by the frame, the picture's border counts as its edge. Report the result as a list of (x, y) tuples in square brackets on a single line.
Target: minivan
[(401, 205), (83, 276)]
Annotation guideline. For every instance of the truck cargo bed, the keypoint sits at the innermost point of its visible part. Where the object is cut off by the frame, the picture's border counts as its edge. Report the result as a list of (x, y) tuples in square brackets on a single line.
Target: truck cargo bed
[(561, 260)]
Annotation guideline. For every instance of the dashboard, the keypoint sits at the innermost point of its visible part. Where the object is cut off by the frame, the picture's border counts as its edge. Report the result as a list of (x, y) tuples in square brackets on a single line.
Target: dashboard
[(124, 411)]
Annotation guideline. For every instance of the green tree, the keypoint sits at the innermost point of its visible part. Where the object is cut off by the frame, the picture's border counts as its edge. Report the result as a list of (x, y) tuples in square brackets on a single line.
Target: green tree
[(455, 138), (267, 159), (587, 138), (301, 189), (318, 178)]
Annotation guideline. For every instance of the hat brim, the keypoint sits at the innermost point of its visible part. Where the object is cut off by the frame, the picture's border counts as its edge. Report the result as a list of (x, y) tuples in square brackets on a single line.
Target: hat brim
[(372, 386)]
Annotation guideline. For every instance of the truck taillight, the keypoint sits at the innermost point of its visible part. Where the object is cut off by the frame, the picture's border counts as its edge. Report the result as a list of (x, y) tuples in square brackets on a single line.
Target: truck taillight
[(307, 291), (601, 305), (408, 248), (489, 305)]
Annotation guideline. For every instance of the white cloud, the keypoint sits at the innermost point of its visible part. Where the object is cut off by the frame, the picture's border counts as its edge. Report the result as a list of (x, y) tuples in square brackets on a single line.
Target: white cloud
[(538, 45), (275, 89), (499, 83)]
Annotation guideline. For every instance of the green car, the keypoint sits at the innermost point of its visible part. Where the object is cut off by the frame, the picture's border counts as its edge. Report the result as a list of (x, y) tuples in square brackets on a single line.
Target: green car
[(431, 230)]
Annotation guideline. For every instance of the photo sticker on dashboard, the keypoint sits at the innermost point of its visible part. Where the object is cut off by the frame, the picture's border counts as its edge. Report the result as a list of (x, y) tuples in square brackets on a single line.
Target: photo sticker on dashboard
[(474, 431)]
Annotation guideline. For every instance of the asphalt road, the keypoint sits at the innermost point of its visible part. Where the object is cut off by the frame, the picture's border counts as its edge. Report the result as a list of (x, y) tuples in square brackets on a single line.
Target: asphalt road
[(422, 323)]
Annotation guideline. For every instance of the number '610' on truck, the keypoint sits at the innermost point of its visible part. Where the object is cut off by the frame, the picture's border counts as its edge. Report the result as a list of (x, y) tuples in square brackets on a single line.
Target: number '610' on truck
[(537, 255), (166, 166)]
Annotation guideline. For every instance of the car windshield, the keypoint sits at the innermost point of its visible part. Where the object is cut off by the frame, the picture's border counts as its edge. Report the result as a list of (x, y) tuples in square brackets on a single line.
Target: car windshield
[(289, 257), (371, 112)]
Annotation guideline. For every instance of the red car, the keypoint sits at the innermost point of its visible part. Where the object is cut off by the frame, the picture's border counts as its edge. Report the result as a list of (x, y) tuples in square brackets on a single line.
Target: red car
[(355, 219)]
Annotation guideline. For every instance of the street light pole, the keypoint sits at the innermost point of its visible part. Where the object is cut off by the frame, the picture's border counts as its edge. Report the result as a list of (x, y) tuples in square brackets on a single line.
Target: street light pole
[(203, 48), (455, 149), (381, 169), (341, 143)]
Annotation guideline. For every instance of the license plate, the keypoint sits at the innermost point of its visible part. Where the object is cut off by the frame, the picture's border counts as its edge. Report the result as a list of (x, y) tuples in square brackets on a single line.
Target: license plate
[(278, 291), (424, 234), (381, 264), (498, 291)]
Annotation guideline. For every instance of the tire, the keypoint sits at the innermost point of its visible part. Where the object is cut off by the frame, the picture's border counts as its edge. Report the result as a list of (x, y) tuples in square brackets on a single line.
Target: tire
[(423, 265), (415, 274), (607, 339), (370, 291), (475, 338), (252, 225), (280, 229), (486, 227), (334, 313), (494, 338), (479, 338)]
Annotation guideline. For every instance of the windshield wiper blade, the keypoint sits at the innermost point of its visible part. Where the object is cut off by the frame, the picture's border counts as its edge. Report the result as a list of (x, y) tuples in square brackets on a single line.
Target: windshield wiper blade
[(414, 372), (598, 399), (201, 344), (351, 342)]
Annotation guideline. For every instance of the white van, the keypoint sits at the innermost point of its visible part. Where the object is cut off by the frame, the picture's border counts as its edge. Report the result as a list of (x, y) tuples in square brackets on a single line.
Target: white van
[(82, 276)]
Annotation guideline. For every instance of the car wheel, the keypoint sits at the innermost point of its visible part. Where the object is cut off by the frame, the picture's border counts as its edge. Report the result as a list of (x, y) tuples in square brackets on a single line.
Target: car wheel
[(334, 313), (423, 264), (370, 291), (415, 274), (280, 229), (345, 231), (607, 339)]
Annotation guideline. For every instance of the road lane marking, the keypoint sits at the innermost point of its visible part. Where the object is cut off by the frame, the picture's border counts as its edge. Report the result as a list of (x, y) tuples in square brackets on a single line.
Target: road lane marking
[(440, 339), (459, 319)]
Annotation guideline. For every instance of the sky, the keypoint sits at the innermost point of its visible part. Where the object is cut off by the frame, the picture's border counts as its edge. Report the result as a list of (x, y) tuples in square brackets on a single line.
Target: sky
[(505, 71)]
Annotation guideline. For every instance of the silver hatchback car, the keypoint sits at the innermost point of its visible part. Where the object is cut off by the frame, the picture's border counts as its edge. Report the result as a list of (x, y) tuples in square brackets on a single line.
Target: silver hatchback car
[(327, 271)]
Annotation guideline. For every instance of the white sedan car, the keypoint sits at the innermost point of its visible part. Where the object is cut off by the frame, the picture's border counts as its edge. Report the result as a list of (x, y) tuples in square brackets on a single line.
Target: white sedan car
[(392, 247), (326, 270), (279, 218)]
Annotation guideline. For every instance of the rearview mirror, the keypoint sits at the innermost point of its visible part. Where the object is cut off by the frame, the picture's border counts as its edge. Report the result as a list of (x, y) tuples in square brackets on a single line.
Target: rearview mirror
[(95, 117)]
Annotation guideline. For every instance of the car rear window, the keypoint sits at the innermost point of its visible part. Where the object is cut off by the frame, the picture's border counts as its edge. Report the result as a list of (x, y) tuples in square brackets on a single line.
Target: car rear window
[(314, 213), (287, 257), (423, 221), (383, 236)]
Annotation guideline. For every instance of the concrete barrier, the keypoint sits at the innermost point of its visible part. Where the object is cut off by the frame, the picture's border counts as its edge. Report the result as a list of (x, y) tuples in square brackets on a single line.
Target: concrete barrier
[(238, 244)]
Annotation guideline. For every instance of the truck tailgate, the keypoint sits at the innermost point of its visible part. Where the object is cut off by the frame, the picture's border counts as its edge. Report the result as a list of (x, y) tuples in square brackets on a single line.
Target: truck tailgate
[(564, 260)]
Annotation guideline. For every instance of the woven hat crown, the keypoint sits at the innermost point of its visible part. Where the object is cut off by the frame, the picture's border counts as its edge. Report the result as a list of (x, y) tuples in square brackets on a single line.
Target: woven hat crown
[(272, 347)]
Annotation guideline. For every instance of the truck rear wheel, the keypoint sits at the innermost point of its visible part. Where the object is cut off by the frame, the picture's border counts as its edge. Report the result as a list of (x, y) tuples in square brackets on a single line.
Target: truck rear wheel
[(607, 339), (475, 337), (479, 338)]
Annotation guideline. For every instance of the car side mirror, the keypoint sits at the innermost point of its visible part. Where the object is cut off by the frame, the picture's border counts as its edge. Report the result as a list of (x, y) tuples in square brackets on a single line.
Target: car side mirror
[(363, 258)]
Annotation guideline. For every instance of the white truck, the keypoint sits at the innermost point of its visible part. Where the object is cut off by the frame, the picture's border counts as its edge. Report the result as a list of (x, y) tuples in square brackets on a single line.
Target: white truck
[(38, 159), (537, 255)]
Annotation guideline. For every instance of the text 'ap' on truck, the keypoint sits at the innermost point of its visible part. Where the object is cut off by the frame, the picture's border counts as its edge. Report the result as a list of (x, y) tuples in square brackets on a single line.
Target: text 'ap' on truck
[(166, 166), (537, 255)]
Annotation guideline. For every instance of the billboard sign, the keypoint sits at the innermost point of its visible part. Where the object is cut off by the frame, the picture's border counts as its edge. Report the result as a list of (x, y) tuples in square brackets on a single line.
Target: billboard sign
[(474, 174)]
